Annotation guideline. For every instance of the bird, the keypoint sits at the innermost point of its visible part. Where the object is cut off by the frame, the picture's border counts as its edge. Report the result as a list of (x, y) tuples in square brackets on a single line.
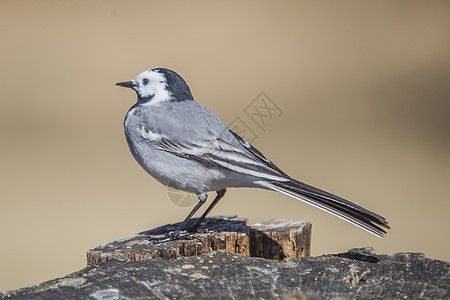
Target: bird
[(185, 146)]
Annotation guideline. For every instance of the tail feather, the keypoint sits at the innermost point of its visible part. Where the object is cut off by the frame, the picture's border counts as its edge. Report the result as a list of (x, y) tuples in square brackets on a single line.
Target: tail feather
[(333, 204)]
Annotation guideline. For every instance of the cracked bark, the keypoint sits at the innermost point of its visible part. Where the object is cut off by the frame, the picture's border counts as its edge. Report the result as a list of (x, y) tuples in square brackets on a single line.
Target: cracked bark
[(193, 273), (276, 239), (221, 274)]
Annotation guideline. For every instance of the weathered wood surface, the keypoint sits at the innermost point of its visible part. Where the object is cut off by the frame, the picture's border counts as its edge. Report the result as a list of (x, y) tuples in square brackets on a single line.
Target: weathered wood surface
[(280, 239), (276, 239), (357, 274)]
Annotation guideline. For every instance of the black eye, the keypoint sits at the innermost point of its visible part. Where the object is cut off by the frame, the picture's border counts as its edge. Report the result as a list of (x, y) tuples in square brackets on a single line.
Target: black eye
[(145, 81)]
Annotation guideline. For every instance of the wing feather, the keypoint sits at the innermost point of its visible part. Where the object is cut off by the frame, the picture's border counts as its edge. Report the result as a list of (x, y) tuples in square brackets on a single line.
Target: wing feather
[(239, 156)]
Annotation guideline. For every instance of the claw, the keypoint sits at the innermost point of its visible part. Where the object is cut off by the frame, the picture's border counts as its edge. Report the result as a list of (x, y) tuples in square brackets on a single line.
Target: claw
[(172, 236)]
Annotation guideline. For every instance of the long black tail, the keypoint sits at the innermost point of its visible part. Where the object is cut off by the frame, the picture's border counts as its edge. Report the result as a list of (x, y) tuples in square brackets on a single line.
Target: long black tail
[(335, 205)]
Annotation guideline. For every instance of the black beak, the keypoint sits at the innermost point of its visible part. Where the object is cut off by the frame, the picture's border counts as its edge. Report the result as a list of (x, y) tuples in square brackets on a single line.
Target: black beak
[(127, 84)]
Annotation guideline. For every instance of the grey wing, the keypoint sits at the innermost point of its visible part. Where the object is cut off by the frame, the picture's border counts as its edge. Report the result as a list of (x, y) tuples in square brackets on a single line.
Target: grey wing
[(227, 151), (195, 133)]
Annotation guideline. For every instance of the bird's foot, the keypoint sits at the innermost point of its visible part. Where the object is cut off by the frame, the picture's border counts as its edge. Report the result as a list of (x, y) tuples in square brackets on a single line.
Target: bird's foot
[(172, 236)]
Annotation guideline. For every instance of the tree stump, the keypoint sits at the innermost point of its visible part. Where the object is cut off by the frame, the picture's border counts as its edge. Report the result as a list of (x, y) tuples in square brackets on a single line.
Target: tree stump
[(280, 239), (276, 239)]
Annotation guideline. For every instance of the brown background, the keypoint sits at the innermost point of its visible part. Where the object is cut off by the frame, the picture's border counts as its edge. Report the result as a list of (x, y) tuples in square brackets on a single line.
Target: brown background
[(363, 86)]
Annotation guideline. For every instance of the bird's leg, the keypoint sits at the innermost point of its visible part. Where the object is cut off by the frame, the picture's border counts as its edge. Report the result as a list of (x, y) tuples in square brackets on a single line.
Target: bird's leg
[(175, 235), (201, 200), (219, 196)]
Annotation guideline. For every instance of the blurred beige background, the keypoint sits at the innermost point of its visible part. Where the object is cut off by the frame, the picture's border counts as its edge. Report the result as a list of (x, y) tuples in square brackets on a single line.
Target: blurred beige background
[(364, 89)]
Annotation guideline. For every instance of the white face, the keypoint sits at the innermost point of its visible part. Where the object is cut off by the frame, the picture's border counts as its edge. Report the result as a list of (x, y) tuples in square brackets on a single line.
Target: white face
[(151, 83)]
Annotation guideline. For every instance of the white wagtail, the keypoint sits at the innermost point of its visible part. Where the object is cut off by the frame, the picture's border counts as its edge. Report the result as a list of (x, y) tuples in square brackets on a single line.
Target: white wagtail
[(186, 147)]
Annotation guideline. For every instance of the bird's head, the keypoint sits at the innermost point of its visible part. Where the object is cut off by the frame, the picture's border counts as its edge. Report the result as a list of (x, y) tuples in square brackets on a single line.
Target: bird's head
[(159, 85)]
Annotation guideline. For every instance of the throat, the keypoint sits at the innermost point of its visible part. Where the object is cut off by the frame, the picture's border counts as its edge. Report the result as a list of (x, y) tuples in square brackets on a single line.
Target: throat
[(158, 98)]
